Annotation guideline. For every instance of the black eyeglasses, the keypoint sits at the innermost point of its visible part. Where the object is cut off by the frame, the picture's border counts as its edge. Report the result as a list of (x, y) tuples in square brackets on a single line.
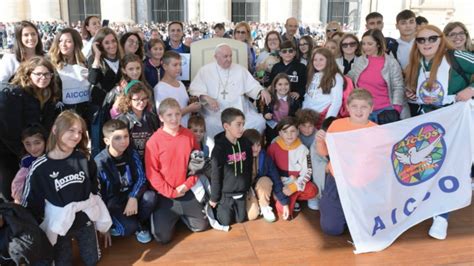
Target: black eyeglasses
[(349, 44), (430, 39), (46, 75), (287, 50), (453, 35)]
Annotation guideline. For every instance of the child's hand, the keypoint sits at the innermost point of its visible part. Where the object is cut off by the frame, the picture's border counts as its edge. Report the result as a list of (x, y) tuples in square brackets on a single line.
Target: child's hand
[(107, 239), (194, 107), (287, 191), (286, 212), (212, 204), (410, 95), (268, 116), (321, 135), (181, 190), (294, 95), (132, 207)]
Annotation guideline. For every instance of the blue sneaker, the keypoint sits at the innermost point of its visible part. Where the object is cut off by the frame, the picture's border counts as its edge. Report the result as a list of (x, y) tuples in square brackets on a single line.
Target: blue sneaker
[(114, 232), (143, 236)]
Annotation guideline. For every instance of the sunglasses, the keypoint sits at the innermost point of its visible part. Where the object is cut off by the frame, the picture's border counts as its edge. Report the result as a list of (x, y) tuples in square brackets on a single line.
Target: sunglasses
[(288, 50), (331, 30), (304, 44), (349, 44), (240, 32), (430, 39)]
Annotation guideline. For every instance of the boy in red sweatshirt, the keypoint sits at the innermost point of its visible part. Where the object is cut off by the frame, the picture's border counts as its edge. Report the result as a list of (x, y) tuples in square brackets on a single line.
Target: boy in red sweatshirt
[(166, 163)]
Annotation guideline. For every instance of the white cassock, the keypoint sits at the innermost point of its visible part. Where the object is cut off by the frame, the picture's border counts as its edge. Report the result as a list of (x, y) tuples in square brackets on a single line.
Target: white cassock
[(229, 87)]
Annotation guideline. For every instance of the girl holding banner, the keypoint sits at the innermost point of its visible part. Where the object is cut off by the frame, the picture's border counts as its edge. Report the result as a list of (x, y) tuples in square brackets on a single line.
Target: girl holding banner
[(438, 76)]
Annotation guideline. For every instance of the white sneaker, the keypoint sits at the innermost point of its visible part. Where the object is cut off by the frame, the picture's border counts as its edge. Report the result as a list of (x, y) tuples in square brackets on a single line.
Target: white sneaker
[(313, 204), (439, 228), (268, 214)]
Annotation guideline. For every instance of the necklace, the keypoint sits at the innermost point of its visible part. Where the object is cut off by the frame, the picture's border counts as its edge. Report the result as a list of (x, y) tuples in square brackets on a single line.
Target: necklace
[(223, 85)]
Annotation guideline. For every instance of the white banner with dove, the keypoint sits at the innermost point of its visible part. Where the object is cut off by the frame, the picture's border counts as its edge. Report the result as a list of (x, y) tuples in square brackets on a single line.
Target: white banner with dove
[(394, 176)]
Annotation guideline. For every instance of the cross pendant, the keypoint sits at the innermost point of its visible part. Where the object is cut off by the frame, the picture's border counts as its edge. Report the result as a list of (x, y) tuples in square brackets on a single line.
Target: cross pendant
[(224, 93)]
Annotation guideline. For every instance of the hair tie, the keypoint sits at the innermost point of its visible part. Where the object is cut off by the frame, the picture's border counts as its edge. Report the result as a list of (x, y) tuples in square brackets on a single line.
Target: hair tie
[(129, 85)]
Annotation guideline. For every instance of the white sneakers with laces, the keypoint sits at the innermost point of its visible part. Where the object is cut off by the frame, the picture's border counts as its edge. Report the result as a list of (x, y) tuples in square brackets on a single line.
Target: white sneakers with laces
[(268, 214), (439, 228)]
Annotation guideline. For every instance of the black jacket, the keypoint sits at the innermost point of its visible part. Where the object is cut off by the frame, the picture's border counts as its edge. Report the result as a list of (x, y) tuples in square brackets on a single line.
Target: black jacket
[(103, 80), (17, 110), (297, 73), (108, 175), (21, 239), (231, 167)]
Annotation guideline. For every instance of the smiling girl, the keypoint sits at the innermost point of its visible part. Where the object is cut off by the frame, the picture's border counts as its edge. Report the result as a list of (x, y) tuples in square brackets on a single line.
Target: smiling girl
[(27, 45)]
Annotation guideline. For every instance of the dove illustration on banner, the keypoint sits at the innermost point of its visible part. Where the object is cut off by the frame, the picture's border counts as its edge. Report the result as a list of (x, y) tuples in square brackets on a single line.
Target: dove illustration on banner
[(414, 156)]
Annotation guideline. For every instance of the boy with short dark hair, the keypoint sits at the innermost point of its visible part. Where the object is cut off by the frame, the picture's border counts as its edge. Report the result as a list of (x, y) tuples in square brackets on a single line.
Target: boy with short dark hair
[(231, 162), (264, 177), (170, 87), (166, 160), (198, 126), (406, 25), (307, 119), (123, 183), (295, 70), (374, 20), (359, 105)]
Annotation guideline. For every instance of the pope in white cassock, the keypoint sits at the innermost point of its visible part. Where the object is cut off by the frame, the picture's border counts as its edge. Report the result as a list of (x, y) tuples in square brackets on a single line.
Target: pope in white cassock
[(222, 84)]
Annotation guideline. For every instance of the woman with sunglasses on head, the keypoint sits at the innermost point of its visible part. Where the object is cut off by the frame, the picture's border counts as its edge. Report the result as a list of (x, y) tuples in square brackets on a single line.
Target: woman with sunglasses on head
[(349, 47), (331, 28), (437, 75), (458, 35), (27, 44), (268, 57), (242, 33), (305, 48), (293, 68), (381, 75)]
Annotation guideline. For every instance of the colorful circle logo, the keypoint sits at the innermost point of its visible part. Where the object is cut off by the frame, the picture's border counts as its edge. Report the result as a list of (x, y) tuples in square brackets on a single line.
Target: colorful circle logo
[(433, 95), (420, 154)]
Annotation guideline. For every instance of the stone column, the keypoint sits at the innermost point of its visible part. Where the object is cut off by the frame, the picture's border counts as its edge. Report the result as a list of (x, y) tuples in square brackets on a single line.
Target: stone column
[(215, 11), (44, 10), (13, 10), (117, 10)]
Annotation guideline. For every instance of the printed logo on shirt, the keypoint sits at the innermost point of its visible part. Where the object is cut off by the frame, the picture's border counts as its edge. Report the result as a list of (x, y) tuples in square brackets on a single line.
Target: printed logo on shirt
[(433, 95), (54, 174), (69, 179), (294, 77), (420, 154), (236, 157)]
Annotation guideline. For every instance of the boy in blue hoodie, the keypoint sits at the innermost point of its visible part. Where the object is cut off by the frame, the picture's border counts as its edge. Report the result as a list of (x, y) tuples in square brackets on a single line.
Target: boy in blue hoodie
[(123, 185)]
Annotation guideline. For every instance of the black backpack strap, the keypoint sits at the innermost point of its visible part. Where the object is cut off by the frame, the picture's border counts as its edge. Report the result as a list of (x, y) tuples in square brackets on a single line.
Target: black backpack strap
[(455, 65)]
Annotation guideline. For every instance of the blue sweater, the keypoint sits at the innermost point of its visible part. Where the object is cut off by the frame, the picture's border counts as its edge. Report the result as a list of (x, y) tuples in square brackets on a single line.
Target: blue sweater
[(266, 167)]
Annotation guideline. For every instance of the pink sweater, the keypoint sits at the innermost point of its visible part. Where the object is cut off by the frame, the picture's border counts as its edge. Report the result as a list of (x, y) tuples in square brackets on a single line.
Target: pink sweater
[(372, 80)]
